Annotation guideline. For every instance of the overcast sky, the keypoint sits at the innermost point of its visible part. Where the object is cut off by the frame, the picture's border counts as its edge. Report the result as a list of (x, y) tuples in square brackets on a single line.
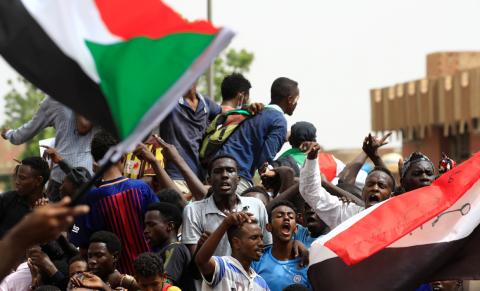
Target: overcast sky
[(337, 50)]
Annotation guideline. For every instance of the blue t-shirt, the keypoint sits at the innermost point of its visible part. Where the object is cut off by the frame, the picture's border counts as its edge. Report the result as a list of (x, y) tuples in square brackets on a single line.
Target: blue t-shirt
[(256, 141), (280, 274), (184, 128), (303, 235)]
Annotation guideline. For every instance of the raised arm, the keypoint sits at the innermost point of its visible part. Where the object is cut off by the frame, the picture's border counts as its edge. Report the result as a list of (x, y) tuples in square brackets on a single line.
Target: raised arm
[(27, 131), (371, 144), (349, 174), (56, 158), (197, 188), (289, 194), (339, 192), (204, 258), (328, 207), (279, 179), (161, 177)]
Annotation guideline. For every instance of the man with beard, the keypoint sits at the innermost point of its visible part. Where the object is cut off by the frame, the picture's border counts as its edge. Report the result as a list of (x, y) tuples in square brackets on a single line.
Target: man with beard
[(233, 272), (278, 265), (379, 186)]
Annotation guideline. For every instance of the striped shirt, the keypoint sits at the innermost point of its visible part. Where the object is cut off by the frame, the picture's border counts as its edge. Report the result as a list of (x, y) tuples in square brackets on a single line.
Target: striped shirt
[(230, 275), (72, 146), (117, 206)]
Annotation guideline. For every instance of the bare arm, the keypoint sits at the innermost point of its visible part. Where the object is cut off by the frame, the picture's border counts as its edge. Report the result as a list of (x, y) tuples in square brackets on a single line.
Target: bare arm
[(337, 191), (161, 177), (204, 258), (198, 189), (83, 125), (27, 131), (371, 144), (290, 194), (328, 207), (349, 173)]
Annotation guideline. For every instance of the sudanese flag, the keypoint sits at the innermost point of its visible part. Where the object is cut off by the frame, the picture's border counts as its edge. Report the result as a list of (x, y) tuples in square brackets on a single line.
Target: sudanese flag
[(422, 236), (120, 63)]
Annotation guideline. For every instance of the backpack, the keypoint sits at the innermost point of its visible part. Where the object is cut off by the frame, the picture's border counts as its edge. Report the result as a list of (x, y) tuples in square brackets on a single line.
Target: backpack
[(218, 132)]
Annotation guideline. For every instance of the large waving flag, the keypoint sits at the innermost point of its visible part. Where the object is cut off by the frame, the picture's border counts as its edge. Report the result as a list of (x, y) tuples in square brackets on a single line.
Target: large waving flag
[(120, 63), (422, 236)]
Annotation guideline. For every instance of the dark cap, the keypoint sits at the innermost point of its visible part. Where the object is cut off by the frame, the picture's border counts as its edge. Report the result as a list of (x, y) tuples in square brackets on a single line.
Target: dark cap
[(79, 176), (302, 131)]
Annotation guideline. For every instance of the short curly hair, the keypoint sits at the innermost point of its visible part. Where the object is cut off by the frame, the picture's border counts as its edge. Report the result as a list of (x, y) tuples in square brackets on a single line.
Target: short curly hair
[(101, 143), (39, 165), (148, 265), (110, 239)]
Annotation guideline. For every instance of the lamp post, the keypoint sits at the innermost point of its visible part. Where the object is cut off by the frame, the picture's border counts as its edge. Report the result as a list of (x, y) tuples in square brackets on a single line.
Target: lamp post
[(210, 73)]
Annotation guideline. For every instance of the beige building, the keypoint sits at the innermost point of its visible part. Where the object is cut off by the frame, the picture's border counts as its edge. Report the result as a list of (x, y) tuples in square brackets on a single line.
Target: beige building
[(439, 113)]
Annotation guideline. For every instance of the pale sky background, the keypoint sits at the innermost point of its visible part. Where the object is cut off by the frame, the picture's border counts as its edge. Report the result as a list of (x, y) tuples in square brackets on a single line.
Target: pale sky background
[(336, 50)]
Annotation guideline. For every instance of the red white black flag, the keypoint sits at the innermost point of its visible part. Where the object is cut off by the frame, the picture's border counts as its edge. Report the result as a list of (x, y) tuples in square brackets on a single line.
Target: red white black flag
[(421, 236)]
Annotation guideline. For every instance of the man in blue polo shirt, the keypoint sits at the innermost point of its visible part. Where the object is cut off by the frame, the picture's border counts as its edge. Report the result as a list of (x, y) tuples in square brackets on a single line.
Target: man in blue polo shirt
[(261, 137), (184, 128)]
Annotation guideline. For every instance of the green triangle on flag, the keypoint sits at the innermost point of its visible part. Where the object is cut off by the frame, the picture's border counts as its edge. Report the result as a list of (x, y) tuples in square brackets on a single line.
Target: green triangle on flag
[(122, 64)]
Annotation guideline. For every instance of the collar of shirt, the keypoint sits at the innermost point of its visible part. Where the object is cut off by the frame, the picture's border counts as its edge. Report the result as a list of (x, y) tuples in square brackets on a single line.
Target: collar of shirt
[(275, 106), (201, 103), (111, 182), (250, 273), (212, 207)]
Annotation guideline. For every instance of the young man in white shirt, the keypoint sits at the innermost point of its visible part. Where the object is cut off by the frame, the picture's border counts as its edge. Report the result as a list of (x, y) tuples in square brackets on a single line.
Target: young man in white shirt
[(233, 272)]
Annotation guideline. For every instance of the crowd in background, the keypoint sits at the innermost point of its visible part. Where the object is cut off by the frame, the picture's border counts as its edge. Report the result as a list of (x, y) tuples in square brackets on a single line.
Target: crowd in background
[(207, 202)]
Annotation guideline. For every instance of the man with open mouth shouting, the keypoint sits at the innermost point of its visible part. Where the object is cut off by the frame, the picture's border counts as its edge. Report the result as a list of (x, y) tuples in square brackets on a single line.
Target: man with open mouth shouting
[(379, 186), (278, 265)]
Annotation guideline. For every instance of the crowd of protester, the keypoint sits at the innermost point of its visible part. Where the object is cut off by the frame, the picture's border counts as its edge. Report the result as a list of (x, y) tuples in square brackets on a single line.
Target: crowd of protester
[(202, 204)]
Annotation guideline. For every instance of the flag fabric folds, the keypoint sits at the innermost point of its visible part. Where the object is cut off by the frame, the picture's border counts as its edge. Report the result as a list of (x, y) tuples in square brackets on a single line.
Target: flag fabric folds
[(421, 236), (120, 63)]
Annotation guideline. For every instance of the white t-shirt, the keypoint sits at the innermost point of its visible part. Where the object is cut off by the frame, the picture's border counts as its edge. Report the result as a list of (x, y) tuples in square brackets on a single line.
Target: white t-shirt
[(230, 275), (19, 280)]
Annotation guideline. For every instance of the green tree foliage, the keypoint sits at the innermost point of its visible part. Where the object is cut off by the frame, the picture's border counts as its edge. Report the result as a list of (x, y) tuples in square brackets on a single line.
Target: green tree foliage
[(229, 62), (20, 106)]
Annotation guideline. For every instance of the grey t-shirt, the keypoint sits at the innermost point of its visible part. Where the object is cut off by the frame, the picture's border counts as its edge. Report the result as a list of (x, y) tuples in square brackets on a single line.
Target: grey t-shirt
[(201, 216), (176, 261)]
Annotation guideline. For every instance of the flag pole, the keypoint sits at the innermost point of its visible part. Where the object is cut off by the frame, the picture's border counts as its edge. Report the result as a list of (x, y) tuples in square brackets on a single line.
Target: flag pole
[(210, 72)]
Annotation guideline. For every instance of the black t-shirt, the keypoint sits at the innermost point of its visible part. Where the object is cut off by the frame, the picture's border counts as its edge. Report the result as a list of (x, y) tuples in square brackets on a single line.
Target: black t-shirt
[(176, 258), (12, 209)]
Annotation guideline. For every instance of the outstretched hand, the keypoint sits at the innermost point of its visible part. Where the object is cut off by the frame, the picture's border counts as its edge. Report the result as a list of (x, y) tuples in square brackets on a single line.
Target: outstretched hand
[(169, 151), (142, 152), (371, 144), (310, 148), (52, 154)]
